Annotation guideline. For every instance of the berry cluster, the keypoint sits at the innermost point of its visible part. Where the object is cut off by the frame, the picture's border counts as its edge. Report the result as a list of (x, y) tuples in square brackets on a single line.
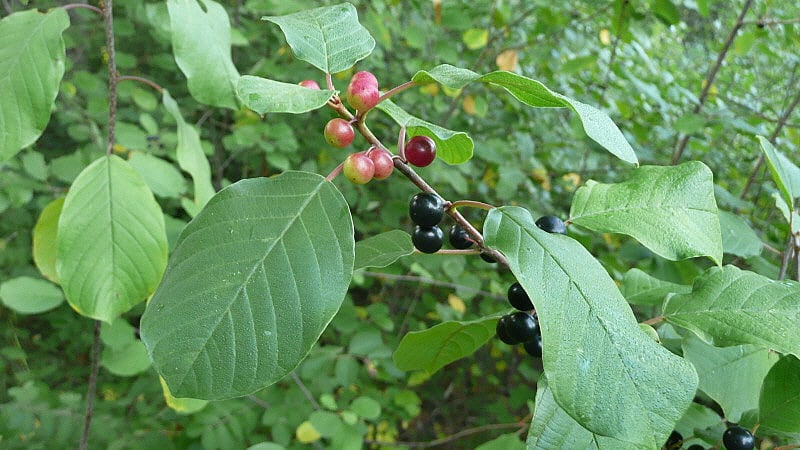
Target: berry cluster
[(734, 438), (426, 211), (521, 327)]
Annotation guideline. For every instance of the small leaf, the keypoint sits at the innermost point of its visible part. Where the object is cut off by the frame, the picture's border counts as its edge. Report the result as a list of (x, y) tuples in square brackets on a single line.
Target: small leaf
[(27, 295), (306, 433), (593, 347), (737, 236), (123, 355), (476, 38), (253, 281), (453, 147), (161, 176), (666, 11), (181, 405), (329, 38), (111, 240), (729, 306), (639, 288), (366, 407), (383, 249), (201, 42), (779, 404), (44, 239), (33, 55), (785, 174), (669, 209), (434, 348), (269, 96)]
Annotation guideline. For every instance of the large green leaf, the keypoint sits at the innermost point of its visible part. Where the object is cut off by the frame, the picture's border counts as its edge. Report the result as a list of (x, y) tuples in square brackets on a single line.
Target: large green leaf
[(784, 172), (329, 38), (201, 42), (383, 249), (453, 147), (737, 236), (732, 376), (111, 244), (729, 306), (669, 209), (779, 404), (639, 288), (598, 126), (432, 349), (264, 96), (253, 281), (604, 371), (33, 55), (553, 429)]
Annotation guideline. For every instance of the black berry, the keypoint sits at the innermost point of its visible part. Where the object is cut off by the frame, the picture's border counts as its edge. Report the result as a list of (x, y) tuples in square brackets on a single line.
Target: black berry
[(459, 238), (426, 209), (428, 239), (522, 327), (502, 331), (534, 346), (519, 298), (738, 438), (695, 447), (486, 257), (674, 441), (551, 224)]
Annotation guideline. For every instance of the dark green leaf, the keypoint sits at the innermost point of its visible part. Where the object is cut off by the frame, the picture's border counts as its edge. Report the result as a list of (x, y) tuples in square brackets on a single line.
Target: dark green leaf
[(784, 172), (737, 236), (639, 288), (779, 404), (383, 249), (266, 96)]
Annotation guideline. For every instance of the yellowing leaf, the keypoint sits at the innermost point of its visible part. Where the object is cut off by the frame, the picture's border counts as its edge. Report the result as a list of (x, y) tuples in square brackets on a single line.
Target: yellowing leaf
[(475, 38), (469, 105), (430, 89), (306, 433), (507, 60), (573, 178), (605, 36), (181, 405), (456, 303)]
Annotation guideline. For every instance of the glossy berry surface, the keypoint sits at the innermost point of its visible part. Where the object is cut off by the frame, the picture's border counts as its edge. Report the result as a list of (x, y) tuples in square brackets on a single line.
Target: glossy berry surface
[(519, 298), (339, 133), (533, 347), (362, 92), (459, 238), (383, 163), (738, 438), (358, 168), (674, 441), (551, 224), (426, 209), (309, 84), (487, 258), (522, 327), (502, 331), (427, 239), (420, 151)]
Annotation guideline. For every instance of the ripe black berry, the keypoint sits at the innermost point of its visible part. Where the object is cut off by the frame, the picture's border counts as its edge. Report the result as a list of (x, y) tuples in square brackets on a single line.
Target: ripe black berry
[(427, 239), (522, 327), (695, 447), (534, 346), (502, 331), (487, 258), (519, 298), (674, 441), (551, 224), (459, 238), (426, 209), (738, 438)]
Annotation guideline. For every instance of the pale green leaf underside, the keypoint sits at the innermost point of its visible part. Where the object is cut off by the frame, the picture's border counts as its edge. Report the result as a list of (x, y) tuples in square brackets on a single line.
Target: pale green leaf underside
[(33, 55), (737, 236), (44, 239), (453, 147), (785, 174), (604, 370), (669, 209), (598, 126), (383, 249), (27, 295), (269, 96), (201, 43), (639, 288), (434, 348), (729, 306), (329, 38), (779, 403), (253, 281), (111, 240)]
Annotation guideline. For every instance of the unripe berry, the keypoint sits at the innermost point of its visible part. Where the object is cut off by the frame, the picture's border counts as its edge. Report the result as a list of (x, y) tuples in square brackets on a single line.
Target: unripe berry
[(358, 168), (383, 163), (309, 84), (362, 92), (339, 133), (420, 150)]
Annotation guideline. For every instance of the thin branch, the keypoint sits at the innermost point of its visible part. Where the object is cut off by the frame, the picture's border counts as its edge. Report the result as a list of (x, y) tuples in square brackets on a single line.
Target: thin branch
[(787, 256), (520, 426), (396, 90), (108, 18), (92, 391), (614, 47), (82, 5), (306, 392), (258, 401), (141, 80), (768, 22), (422, 280), (683, 139)]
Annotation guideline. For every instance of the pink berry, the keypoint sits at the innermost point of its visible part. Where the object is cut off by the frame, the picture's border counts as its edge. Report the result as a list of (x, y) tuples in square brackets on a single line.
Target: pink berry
[(383, 163), (339, 133), (310, 84), (358, 168), (362, 92), (420, 150)]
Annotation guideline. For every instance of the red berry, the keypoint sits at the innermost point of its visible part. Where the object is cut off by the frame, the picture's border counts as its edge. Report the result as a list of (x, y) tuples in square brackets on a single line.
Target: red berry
[(362, 92), (383, 163), (420, 151), (339, 133), (358, 168), (310, 84)]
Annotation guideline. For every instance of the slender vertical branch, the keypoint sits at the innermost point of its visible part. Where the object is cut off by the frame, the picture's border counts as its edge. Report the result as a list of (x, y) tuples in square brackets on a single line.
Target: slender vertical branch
[(683, 139), (108, 18), (92, 391)]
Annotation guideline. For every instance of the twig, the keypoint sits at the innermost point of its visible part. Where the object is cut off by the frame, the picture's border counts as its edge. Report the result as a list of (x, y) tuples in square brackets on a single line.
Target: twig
[(787, 256), (258, 401), (141, 80), (614, 47), (306, 392), (521, 425), (92, 391), (683, 139), (767, 22), (82, 5), (108, 18), (423, 280)]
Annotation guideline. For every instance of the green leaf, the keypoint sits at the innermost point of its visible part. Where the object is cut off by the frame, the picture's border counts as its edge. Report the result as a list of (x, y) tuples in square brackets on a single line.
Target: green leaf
[(27, 295), (33, 55), (785, 174), (729, 306), (475, 38), (553, 429), (366, 407), (201, 42), (44, 239), (383, 249), (779, 404), (123, 355), (732, 376), (190, 155), (329, 38), (453, 147), (434, 348), (181, 405), (669, 209), (737, 236), (598, 126), (639, 288), (111, 242), (269, 96), (253, 281), (161, 176), (593, 348), (509, 441), (690, 123), (666, 11)]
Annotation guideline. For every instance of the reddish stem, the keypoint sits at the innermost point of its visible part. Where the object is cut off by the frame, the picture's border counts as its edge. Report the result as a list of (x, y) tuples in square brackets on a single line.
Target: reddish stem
[(396, 90), (142, 80), (335, 172), (82, 5)]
